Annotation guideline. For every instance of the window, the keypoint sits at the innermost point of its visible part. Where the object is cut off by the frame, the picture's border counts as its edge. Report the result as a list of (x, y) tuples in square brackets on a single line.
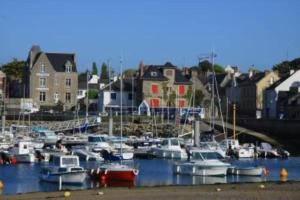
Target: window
[(68, 82), (154, 74), (129, 96), (68, 97), (113, 96), (42, 68), (181, 103), (42, 96), (181, 90), (56, 97), (80, 92), (154, 89), (169, 73), (68, 68), (154, 103), (42, 82)]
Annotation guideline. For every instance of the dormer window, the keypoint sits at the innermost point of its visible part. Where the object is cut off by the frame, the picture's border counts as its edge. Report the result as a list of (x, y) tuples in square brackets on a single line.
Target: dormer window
[(42, 68), (154, 74), (68, 68)]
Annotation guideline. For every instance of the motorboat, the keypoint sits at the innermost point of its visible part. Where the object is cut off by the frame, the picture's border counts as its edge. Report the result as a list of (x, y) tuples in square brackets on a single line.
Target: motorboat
[(247, 171), (202, 163), (267, 151), (169, 148), (48, 137), (98, 143), (114, 172), (23, 152), (64, 169), (85, 154)]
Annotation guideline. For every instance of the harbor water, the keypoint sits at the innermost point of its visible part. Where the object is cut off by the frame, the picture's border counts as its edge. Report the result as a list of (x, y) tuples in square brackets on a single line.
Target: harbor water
[(24, 178)]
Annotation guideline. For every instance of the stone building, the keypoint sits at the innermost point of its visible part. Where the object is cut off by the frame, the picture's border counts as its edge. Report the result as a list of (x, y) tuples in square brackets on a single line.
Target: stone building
[(252, 92), (2, 86), (51, 78), (163, 86)]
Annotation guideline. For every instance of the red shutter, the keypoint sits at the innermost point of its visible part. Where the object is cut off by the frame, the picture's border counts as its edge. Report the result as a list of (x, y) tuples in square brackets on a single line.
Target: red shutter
[(154, 89), (181, 103), (154, 103), (181, 90)]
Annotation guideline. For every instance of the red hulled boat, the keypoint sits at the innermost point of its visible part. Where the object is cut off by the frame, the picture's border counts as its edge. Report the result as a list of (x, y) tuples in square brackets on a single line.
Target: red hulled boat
[(114, 172)]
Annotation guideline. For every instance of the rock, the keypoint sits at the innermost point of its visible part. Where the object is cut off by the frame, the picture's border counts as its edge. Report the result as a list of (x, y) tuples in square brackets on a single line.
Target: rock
[(100, 193), (218, 189)]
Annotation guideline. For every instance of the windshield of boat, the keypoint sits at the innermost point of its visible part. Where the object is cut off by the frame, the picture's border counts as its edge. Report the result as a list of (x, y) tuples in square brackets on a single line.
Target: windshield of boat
[(206, 156), (96, 139), (174, 142)]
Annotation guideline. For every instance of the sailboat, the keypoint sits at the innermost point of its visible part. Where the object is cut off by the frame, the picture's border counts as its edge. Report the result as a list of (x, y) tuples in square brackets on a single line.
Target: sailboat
[(116, 171)]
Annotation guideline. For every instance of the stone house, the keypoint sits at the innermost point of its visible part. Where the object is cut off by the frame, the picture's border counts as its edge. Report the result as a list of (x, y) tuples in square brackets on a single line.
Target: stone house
[(271, 94), (163, 86), (252, 92), (51, 78)]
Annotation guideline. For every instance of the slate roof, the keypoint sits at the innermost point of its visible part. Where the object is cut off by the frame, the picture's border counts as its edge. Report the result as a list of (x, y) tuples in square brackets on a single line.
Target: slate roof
[(155, 73), (127, 85), (150, 74), (58, 61), (181, 79), (254, 79)]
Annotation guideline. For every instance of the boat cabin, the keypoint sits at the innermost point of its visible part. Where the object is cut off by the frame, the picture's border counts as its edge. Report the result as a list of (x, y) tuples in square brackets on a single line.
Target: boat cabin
[(66, 161), (171, 143), (205, 155), (46, 136)]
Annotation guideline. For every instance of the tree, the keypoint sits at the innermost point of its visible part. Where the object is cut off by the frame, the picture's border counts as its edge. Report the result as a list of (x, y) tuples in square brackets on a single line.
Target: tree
[(129, 73), (198, 97), (93, 94), (14, 69), (95, 69), (206, 66), (104, 73), (285, 66)]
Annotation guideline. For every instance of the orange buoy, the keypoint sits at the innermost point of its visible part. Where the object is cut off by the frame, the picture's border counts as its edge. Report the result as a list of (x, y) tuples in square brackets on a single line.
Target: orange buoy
[(1, 184), (283, 173)]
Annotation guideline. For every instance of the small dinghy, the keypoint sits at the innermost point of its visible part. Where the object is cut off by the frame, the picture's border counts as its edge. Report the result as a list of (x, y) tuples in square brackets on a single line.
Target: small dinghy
[(246, 171)]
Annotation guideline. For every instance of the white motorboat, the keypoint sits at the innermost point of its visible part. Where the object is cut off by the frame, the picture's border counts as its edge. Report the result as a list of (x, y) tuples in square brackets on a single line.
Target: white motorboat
[(84, 154), (245, 152), (170, 148), (23, 152), (46, 136), (98, 143), (246, 171), (202, 163), (64, 169)]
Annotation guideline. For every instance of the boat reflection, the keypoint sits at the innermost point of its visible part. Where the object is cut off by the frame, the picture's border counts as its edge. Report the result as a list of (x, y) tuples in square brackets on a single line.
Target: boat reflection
[(112, 183), (198, 180)]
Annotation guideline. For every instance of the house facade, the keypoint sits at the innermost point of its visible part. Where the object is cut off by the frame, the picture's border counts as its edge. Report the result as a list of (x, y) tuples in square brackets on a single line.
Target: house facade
[(51, 78), (271, 94), (163, 86), (110, 96), (252, 92)]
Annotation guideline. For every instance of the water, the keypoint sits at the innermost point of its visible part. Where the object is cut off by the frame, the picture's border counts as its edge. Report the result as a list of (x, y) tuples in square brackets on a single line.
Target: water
[(23, 178)]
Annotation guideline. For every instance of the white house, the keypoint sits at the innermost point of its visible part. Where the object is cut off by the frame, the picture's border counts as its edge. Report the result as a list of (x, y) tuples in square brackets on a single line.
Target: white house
[(110, 96), (271, 94), (82, 86)]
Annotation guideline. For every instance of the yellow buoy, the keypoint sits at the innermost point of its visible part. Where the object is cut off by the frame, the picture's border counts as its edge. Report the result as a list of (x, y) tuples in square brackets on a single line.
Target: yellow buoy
[(1, 184), (67, 194), (283, 173)]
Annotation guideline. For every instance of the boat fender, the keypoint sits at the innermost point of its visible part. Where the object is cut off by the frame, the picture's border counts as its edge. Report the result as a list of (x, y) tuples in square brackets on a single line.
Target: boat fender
[(91, 172), (1, 185), (98, 171), (135, 172), (283, 173)]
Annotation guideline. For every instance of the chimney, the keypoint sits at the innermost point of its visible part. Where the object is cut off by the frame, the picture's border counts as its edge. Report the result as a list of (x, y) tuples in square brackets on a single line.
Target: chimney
[(35, 49), (141, 68), (251, 73)]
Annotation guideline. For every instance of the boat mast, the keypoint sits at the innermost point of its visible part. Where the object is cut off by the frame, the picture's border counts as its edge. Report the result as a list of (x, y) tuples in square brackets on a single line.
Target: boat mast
[(121, 106), (87, 99)]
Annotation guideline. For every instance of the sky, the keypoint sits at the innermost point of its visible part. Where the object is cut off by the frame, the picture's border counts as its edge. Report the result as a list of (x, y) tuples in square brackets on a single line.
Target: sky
[(243, 33)]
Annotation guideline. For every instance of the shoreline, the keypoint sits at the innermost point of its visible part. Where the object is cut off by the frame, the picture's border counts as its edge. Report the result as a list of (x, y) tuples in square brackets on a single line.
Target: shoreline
[(263, 190)]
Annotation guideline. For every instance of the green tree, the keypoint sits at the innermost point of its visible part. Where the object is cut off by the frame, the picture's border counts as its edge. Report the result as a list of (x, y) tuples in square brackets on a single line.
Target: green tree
[(104, 73), (283, 67), (128, 73), (198, 97), (206, 66), (93, 94), (14, 69), (95, 69)]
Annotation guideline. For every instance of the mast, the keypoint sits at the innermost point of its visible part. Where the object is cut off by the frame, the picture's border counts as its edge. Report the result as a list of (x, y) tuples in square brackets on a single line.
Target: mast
[(87, 99), (121, 102), (213, 92)]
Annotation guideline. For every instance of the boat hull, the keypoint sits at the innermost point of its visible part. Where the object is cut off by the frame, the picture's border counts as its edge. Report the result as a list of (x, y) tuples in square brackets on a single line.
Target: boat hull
[(197, 170), (66, 178), (250, 171), (114, 174), (166, 153), (25, 158)]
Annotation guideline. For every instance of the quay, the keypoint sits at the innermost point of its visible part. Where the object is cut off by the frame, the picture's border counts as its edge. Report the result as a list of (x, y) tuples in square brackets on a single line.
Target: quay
[(268, 190)]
